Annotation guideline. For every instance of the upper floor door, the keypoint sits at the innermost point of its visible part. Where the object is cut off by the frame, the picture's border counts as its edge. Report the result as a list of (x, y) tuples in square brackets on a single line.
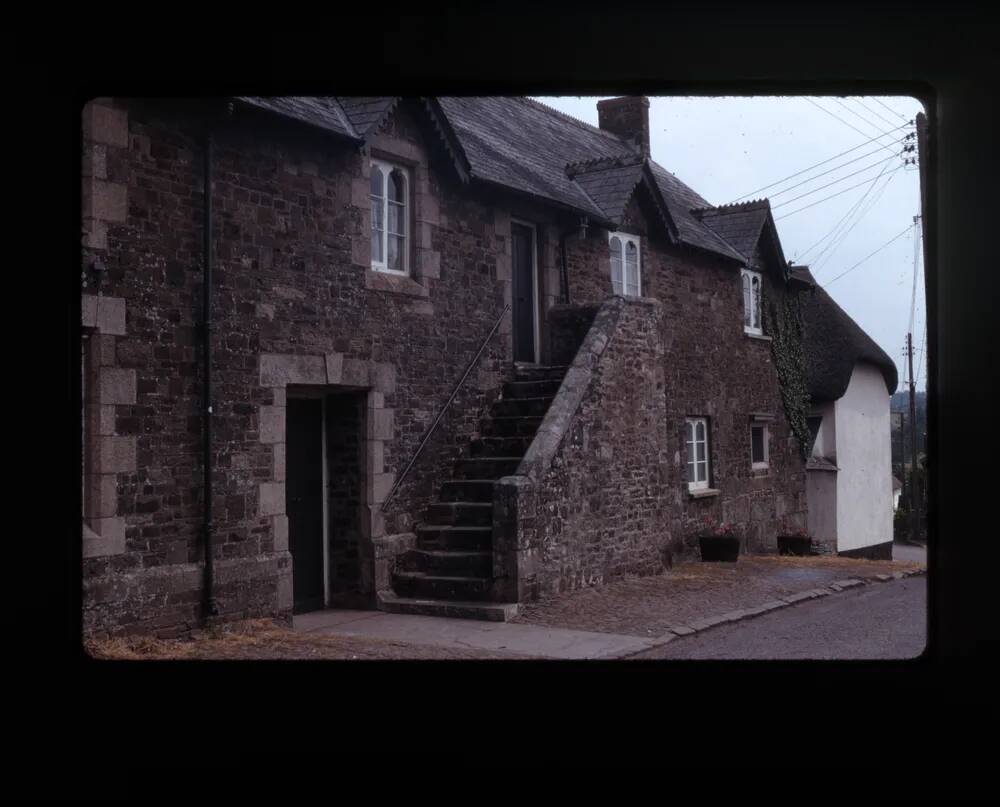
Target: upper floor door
[(524, 293)]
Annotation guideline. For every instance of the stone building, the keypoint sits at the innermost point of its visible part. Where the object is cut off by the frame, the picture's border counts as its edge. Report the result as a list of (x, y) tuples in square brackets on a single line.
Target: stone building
[(453, 354)]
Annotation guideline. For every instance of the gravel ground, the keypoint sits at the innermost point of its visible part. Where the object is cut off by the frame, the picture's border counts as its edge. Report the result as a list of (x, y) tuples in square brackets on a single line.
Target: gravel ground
[(265, 639), (649, 606)]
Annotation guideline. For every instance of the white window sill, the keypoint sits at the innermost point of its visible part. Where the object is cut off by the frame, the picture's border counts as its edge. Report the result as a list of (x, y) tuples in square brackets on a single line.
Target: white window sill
[(760, 466), (762, 337), (703, 493)]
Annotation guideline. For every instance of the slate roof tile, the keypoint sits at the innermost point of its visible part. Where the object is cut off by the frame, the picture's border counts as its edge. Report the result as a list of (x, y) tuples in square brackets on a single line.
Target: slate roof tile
[(324, 112)]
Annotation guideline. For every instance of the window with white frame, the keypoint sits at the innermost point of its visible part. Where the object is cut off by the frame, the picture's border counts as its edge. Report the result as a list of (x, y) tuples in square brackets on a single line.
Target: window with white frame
[(390, 195), (625, 268), (697, 453), (759, 451), (752, 287)]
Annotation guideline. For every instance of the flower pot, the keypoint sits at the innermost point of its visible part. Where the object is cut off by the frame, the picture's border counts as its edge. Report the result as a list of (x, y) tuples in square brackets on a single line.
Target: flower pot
[(725, 548), (794, 544)]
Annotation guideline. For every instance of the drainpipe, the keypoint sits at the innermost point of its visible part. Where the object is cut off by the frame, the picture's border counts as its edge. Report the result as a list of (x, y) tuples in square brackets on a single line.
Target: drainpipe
[(564, 277), (210, 607)]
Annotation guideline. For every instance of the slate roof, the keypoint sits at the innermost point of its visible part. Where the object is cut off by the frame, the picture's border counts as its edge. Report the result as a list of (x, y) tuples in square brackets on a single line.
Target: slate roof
[(608, 183), (365, 114), (740, 224), (324, 112), (833, 344), (526, 146)]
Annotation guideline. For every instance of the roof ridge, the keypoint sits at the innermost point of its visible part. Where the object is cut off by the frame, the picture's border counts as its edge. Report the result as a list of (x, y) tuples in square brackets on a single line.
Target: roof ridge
[(752, 204), (581, 123)]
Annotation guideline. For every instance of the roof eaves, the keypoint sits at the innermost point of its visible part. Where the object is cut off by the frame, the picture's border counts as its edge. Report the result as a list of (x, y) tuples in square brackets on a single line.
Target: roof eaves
[(271, 110), (448, 137)]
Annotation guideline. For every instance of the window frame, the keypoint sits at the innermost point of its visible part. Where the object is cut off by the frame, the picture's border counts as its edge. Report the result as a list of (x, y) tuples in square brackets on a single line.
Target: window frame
[(386, 168), (692, 422), (766, 462), (625, 239), (747, 277)]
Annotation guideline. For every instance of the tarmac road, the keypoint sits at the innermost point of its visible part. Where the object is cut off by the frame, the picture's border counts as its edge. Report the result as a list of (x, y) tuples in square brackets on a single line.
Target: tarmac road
[(880, 621)]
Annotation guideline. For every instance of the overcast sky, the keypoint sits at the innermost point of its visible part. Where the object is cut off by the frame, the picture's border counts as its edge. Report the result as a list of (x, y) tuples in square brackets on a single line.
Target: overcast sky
[(731, 149)]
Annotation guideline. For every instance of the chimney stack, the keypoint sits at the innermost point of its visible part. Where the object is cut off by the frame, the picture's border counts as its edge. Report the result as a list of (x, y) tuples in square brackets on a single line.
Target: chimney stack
[(627, 117)]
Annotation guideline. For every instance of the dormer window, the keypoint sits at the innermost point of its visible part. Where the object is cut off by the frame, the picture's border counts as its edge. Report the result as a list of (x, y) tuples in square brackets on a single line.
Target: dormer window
[(752, 283), (625, 271), (390, 193)]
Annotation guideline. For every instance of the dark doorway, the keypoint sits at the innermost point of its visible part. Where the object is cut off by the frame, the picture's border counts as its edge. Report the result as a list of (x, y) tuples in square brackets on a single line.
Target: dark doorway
[(523, 292), (344, 446), (304, 501)]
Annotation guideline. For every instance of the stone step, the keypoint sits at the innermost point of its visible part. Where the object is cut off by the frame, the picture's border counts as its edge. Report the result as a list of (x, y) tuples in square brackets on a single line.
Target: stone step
[(459, 563), (487, 611), (441, 587), (521, 407), (467, 490), (486, 467), (468, 514), (540, 372), (454, 538), (531, 389), (511, 426), (500, 446)]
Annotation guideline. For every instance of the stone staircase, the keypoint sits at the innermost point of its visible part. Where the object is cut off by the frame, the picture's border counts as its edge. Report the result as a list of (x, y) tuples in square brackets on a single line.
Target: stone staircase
[(450, 573)]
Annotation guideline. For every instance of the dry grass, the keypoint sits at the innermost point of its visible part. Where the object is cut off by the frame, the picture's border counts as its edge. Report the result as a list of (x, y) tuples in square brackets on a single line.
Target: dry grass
[(265, 639)]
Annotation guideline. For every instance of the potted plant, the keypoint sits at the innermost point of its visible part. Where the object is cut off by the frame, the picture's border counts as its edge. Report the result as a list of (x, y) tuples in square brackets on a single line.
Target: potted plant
[(794, 540), (719, 542)]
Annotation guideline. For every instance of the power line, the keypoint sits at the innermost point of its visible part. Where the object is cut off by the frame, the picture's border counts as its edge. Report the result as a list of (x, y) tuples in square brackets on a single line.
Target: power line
[(839, 239), (895, 238), (823, 162), (855, 128), (835, 182), (893, 111), (828, 171), (854, 207), (874, 112), (860, 116)]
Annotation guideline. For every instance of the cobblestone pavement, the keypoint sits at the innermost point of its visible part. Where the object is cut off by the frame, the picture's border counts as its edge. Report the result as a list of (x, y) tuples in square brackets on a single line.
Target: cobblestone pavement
[(874, 622), (650, 606), (265, 639)]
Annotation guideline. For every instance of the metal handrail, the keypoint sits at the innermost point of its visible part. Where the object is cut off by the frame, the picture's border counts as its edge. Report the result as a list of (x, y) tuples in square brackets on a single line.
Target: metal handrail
[(454, 392)]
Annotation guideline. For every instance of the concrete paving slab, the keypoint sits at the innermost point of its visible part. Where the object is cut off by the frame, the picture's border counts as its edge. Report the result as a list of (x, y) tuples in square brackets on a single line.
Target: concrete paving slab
[(527, 640), (316, 621)]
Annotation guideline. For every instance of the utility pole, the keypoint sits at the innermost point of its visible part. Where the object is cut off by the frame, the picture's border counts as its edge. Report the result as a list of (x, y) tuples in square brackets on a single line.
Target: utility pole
[(915, 486)]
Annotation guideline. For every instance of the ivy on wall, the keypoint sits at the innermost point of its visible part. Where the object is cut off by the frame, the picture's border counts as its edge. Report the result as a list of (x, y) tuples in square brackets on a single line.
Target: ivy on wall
[(785, 325)]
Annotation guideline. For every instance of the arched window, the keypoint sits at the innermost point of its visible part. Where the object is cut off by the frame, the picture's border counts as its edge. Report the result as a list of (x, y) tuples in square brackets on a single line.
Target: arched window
[(390, 194), (616, 266), (625, 264), (697, 453), (752, 284)]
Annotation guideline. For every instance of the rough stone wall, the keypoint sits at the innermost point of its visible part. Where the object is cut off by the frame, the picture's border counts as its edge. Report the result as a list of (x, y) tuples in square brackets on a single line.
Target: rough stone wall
[(591, 494), (292, 276), (711, 369)]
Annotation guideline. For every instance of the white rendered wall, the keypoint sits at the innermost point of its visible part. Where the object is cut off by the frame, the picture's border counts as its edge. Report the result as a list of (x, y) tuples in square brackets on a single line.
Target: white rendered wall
[(825, 444), (864, 482), (821, 494)]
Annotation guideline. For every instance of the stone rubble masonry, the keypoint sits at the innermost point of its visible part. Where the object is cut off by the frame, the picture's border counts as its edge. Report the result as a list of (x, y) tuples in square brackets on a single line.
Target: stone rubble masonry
[(296, 303), (588, 497)]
